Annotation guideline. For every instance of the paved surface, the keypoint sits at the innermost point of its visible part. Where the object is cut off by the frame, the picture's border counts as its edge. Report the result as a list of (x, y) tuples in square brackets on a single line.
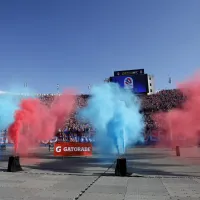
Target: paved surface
[(155, 174)]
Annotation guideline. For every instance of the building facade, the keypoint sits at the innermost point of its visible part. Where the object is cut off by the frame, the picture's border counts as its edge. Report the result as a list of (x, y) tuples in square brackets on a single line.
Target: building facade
[(151, 84)]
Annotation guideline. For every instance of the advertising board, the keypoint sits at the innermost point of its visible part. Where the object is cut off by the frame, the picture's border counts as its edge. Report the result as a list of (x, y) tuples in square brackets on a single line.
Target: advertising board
[(72, 149)]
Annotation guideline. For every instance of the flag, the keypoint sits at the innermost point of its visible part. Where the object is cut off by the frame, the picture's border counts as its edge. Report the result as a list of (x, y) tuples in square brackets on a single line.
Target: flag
[(170, 80)]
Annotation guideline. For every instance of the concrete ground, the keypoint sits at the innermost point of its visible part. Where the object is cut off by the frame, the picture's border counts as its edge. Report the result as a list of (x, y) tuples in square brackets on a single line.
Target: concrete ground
[(154, 174)]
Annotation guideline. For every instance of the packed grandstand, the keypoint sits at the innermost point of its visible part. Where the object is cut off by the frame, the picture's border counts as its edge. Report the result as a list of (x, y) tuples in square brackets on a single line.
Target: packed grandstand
[(161, 101)]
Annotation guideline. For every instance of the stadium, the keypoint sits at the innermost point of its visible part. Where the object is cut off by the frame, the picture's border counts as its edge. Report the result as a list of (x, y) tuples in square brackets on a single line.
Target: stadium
[(143, 85), (88, 108), (77, 162)]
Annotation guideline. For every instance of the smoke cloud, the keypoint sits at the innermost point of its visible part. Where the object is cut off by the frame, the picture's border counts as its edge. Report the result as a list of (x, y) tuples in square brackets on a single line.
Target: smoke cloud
[(114, 113), (34, 121), (182, 124)]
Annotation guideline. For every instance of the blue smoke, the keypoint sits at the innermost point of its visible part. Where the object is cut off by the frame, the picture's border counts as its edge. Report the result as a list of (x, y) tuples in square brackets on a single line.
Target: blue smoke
[(114, 113), (9, 103)]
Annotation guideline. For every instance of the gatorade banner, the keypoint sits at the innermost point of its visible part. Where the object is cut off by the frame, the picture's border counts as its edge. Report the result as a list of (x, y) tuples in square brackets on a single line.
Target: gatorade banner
[(72, 149)]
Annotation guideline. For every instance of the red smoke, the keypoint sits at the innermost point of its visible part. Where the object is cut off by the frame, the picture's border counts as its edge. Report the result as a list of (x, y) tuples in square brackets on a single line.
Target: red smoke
[(184, 122), (34, 121)]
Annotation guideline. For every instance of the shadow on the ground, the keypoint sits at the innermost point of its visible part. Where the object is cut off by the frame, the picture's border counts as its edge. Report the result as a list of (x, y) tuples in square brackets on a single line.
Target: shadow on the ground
[(139, 165), (149, 156), (78, 165)]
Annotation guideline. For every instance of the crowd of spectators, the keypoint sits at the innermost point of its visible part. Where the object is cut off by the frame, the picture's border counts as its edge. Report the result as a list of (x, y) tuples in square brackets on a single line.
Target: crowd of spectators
[(161, 101), (73, 130)]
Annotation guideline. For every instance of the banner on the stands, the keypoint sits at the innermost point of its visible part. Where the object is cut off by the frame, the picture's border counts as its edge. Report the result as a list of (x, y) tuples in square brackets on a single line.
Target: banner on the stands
[(72, 149)]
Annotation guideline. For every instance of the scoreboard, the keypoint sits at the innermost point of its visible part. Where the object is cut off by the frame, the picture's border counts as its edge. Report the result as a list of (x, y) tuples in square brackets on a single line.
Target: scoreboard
[(135, 80)]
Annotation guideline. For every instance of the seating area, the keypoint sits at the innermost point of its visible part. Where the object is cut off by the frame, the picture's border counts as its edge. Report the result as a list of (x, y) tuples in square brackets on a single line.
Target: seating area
[(150, 104), (161, 101)]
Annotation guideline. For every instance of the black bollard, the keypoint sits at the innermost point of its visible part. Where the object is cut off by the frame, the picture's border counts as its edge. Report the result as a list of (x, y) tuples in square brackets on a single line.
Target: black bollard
[(178, 151), (14, 164), (121, 169)]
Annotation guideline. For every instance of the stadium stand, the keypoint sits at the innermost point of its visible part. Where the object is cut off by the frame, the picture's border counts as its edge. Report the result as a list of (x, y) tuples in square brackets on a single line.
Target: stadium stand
[(161, 101)]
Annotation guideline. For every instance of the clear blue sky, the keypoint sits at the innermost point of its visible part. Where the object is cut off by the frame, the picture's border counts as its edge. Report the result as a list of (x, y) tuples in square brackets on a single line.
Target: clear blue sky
[(79, 42)]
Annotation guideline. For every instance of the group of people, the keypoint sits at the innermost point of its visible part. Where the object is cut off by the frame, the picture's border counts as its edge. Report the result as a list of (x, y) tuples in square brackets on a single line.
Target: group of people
[(75, 131), (163, 100), (74, 136)]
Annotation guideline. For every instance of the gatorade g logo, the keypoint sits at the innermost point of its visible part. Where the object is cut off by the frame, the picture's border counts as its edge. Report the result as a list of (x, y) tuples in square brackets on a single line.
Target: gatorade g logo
[(58, 149), (128, 83)]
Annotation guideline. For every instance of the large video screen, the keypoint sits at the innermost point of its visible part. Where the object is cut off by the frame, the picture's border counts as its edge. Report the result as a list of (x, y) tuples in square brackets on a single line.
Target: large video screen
[(137, 83)]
